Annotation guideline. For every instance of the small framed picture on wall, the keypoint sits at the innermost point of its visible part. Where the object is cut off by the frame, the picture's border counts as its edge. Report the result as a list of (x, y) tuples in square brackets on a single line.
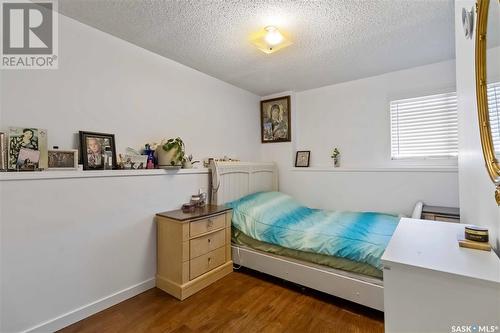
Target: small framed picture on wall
[(302, 158)]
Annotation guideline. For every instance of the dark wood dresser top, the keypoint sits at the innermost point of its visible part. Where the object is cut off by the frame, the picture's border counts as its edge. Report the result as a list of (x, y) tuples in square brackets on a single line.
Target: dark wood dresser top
[(199, 213)]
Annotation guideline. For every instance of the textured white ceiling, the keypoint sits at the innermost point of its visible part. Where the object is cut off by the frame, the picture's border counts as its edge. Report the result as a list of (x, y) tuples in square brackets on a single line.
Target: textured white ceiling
[(334, 41)]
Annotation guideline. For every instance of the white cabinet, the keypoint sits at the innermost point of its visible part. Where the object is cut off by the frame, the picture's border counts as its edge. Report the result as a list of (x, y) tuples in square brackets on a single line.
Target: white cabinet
[(433, 285)]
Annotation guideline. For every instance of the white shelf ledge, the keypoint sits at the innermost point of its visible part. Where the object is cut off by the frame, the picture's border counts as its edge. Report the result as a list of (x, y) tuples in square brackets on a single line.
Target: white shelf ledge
[(33, 175), (447, 169)]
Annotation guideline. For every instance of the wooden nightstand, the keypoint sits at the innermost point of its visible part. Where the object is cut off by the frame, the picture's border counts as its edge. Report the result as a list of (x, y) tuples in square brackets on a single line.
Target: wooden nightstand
[(193, 249)]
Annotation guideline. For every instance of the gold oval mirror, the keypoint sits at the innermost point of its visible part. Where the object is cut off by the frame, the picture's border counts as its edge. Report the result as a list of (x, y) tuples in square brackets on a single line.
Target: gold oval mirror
[(488, 85)]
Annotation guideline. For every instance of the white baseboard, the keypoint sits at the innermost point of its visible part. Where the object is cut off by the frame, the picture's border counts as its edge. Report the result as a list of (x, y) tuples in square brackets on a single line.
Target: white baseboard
[(92, 308)]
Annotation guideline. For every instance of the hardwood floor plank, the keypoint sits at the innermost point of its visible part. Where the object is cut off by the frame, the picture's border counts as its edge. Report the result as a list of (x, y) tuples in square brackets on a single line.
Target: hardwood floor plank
[(244, 301)]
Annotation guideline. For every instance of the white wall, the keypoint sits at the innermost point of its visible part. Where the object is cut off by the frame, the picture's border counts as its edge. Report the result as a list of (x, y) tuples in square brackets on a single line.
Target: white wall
[(365, 190), (71, 247), (354, 116), (281, 152), (105, 84), (68, 243), (477, 202)]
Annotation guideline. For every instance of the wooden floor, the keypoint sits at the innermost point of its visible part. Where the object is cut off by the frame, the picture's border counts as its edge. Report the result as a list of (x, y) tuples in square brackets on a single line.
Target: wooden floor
[(244, 301)]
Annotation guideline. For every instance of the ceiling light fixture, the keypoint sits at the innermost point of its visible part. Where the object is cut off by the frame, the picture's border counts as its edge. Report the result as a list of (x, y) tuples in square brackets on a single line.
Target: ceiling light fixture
[(270, 40), (273, 36)]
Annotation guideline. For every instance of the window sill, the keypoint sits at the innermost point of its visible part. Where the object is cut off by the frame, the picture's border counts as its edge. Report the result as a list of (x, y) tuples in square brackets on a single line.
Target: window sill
[(36, 175)]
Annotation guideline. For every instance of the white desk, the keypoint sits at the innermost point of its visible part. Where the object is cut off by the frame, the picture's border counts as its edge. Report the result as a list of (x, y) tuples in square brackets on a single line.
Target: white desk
[(431, 284)]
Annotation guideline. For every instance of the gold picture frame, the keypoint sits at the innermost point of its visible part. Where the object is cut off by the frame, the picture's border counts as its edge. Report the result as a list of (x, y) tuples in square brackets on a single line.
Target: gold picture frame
[(488, 148)]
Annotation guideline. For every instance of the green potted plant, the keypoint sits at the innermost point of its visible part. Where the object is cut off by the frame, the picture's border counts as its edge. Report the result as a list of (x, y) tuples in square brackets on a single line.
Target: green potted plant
[(336, 157), (171, 153)]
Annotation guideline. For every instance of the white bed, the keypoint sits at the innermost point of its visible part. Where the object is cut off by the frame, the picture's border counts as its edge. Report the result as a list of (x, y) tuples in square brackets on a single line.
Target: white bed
[(233, 180)]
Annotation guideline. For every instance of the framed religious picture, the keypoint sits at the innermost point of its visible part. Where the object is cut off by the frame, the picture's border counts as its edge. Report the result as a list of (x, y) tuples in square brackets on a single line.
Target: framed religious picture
[(302, 158), (63, 159), (275, 120), (33, 144), (97, 151)]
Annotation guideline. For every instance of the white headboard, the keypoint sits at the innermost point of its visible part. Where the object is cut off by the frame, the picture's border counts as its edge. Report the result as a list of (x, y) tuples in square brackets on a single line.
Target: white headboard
[(233, 180)]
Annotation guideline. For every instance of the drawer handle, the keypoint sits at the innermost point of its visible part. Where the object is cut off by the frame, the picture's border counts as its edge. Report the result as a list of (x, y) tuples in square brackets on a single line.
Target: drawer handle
[(209, 259), (210, 223), (209, 240)]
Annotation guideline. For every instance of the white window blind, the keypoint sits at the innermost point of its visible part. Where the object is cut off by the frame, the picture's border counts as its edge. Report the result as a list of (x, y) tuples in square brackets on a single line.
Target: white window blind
[(494, 110), (424, 127)]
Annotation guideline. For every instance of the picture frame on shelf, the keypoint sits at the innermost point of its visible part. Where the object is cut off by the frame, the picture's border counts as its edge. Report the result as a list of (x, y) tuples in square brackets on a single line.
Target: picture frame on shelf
[(302, 158), (93, 147), (27, 159), (275, 120), (135, 162), (59, 159), (3, 152), (34, 139)]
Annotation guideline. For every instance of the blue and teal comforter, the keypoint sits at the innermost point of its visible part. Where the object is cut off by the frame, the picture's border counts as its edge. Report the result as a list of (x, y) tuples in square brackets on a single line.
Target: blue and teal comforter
[(276, 218)]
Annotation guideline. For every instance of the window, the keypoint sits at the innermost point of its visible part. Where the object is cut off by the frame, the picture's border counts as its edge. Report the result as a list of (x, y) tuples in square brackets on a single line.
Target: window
[(425, 127), (494, 113)]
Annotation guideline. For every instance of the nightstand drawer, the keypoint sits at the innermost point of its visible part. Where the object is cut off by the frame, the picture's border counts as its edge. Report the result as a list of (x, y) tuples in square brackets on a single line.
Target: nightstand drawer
[(206, 225), (204, 244), (206, 262)]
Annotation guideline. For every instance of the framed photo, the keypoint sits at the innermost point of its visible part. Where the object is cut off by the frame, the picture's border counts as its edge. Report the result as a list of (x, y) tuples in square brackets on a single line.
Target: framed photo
[(135, 161), (3, 151), (63, 159), (27, 159), (93, 147), (302, 158), (275, 120), (31, 139)]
